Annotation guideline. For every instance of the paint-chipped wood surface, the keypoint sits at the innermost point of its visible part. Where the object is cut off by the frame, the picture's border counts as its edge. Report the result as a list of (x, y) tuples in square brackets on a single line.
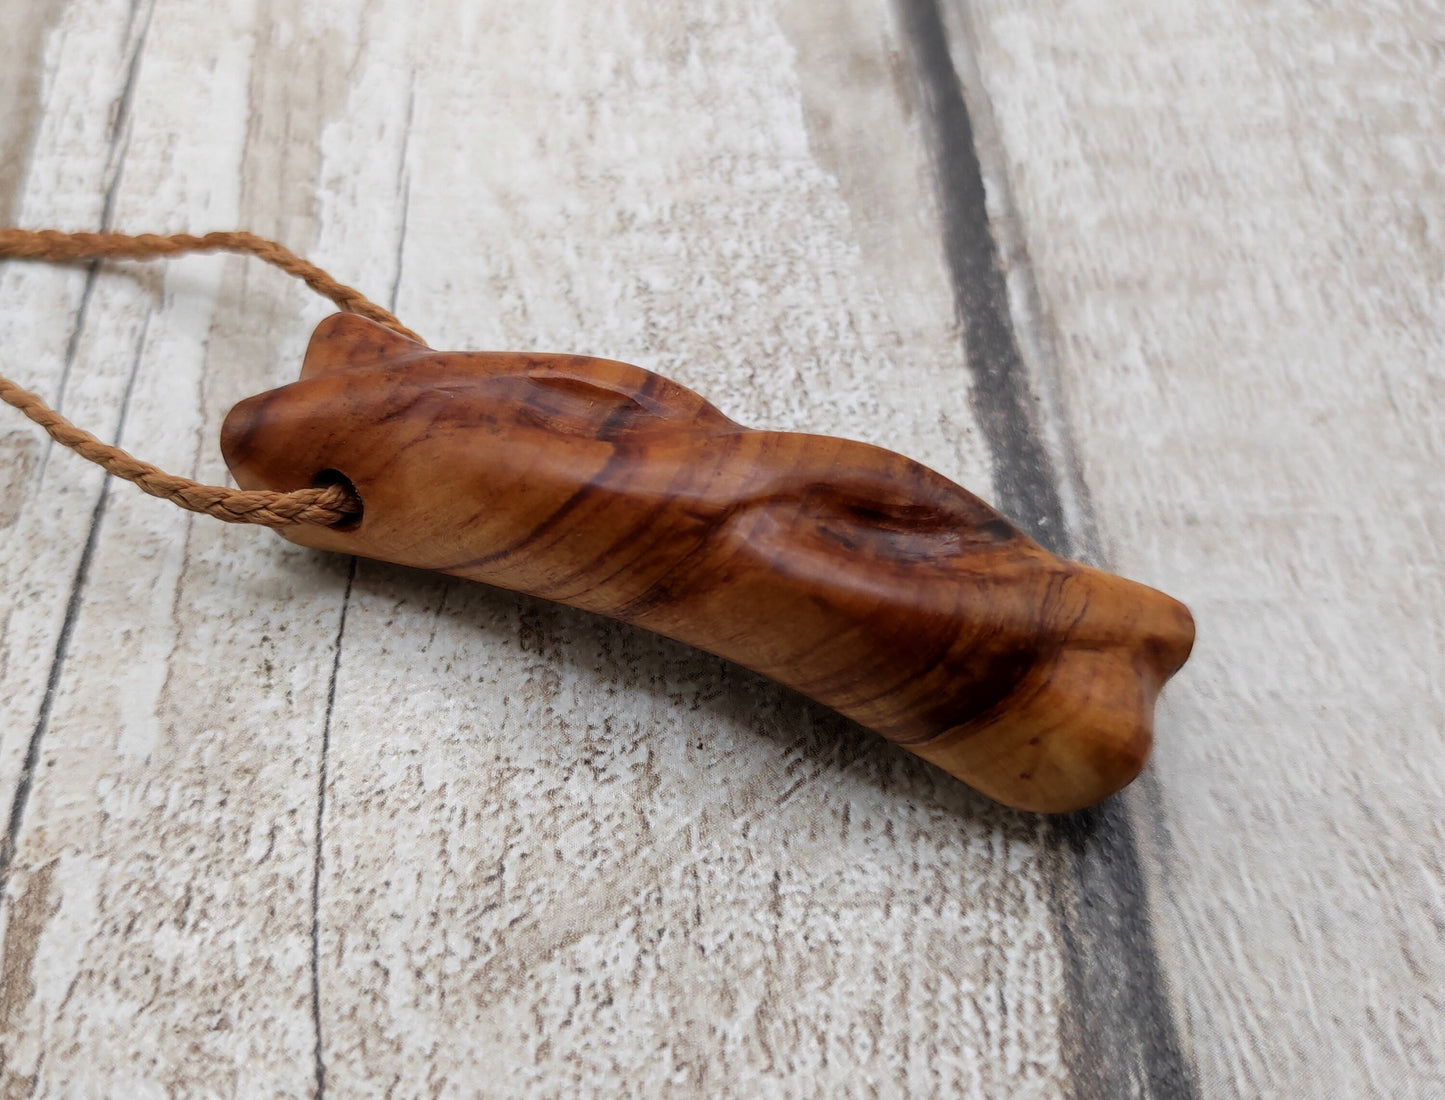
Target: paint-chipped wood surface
[(285, 824)]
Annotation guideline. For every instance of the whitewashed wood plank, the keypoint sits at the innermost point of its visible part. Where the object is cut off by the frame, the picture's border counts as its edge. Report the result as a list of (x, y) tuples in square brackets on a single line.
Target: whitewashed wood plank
[(167, 853), (562, 854), (1234, 216), (50, 502), (48, 510), (25, 30)]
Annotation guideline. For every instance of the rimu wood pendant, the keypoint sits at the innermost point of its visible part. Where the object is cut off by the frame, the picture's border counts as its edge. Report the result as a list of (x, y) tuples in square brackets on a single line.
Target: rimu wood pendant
[(858, 577)]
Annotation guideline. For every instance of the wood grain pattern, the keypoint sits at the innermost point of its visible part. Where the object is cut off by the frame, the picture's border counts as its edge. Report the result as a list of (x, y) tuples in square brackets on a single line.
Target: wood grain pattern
[(550, 853), (24, 28), (859, 577), (1117, 1023)]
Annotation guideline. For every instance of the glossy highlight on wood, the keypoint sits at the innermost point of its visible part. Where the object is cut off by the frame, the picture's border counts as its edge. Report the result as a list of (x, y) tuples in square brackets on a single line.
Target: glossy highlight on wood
[(856, 576)]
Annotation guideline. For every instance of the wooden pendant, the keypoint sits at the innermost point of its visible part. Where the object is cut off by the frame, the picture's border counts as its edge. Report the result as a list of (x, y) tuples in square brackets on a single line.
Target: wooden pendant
[(852, 574)]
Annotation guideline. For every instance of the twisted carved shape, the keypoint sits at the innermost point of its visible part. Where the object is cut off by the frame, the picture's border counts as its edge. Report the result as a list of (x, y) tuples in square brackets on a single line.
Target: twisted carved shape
[(862, 579)]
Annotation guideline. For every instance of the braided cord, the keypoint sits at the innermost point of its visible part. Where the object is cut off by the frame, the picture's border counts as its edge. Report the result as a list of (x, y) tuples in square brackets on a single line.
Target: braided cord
[(326, 506)]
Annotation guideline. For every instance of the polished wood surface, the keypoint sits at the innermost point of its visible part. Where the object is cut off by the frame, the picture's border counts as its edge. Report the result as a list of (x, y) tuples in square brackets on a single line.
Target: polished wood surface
[(852, 574)]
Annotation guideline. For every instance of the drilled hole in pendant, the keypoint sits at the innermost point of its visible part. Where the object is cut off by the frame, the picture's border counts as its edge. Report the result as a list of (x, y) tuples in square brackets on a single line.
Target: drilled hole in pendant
[(327, 478)]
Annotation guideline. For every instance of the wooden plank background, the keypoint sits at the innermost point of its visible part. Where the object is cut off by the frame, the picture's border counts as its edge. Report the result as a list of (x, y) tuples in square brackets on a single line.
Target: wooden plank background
[(1166, 280)]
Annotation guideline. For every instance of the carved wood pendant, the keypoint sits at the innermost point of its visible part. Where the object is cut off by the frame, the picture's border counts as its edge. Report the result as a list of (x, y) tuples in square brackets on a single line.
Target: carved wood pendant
[(852, 574)]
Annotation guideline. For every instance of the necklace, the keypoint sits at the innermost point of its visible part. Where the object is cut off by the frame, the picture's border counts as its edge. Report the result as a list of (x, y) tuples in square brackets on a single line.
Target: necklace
[(852, 574)]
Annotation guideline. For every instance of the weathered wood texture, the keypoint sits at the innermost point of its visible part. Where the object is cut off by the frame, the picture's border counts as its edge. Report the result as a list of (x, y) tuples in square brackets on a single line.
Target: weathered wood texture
[(285, 824), (281, 824), (1235, 218)]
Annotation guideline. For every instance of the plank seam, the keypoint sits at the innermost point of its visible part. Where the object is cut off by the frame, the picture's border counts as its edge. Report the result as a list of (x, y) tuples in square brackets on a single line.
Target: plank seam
[(119, 147), (1117, 1025), (404, 192), (23, 785), (317, 862)]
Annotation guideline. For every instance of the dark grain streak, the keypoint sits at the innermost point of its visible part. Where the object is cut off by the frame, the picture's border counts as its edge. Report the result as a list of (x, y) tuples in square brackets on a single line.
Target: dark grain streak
[(1119, 1032), (1024, 479), (318, 864), (26, 780), (116, 154), (403, 192)]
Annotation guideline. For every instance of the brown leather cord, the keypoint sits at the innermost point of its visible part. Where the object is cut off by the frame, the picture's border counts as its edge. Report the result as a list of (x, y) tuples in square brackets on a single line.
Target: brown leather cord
[(324, 507)]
